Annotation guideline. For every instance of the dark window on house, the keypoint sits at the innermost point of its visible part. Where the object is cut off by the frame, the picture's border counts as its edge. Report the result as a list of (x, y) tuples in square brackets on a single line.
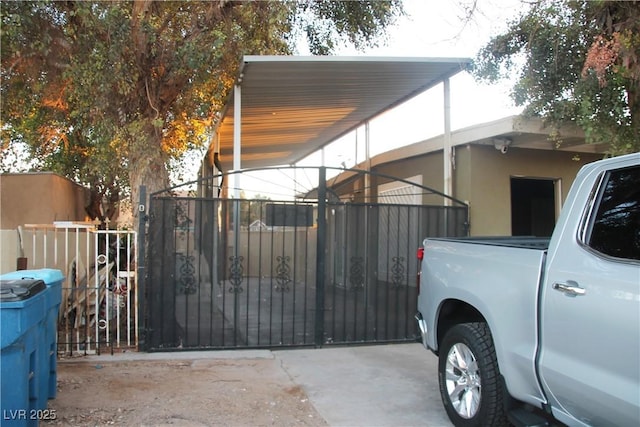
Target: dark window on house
[(533, 210), (289, 215), (616, 225)]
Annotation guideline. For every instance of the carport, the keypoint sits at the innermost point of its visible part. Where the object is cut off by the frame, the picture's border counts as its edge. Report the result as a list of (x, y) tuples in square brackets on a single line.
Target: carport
[(284, 108), (316, 270)]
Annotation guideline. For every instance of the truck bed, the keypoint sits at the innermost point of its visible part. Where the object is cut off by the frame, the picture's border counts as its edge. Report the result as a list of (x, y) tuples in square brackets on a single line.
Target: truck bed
[(483, 273), (529, 242)]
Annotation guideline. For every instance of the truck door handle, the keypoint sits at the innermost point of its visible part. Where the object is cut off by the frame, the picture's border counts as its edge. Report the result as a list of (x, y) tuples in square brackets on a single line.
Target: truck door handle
[(570, 288)]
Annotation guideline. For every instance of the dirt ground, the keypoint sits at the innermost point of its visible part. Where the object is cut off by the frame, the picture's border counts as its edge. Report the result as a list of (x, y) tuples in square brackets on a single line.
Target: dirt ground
[(229, 392)]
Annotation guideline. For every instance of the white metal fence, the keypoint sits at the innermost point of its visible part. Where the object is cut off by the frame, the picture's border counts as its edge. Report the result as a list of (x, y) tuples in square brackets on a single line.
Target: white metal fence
[(99, 308)]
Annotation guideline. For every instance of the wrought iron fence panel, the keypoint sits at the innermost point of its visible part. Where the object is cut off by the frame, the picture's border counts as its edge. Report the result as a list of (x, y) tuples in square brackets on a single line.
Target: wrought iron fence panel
[(209, 288), (242, 273)]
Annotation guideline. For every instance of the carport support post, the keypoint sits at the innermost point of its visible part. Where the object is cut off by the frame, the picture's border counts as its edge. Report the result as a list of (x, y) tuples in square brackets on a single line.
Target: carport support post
[(447, 154), (447, 149), (320, 254)]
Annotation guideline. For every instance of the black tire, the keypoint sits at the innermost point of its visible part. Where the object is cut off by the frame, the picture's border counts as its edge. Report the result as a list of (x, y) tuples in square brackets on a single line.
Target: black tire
[(476, 398)]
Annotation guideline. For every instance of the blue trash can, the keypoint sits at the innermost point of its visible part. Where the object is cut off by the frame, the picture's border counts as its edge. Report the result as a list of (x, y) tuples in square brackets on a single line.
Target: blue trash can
[(23, 320), (48, 371)]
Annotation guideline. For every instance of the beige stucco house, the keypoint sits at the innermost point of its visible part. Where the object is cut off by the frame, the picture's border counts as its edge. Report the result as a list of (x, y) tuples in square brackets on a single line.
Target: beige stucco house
[(511, 172)]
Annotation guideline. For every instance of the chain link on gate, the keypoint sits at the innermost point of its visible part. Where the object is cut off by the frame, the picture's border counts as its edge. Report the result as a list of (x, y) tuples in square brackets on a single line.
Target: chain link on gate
[(99, 308)]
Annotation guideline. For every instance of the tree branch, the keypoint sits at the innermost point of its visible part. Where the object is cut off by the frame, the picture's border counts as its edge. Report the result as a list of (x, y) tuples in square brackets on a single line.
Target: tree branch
[(146, 85)]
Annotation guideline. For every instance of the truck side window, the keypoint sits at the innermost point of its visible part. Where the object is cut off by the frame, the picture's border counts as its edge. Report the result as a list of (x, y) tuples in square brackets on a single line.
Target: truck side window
[(616, 227)]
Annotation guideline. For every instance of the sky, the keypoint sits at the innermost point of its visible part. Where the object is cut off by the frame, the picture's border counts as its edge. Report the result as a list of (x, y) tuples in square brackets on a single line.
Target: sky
[(434, 28)]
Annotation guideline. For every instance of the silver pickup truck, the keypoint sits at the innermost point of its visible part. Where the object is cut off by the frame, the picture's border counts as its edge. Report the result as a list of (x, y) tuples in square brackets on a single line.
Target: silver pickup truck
[(534, 331)]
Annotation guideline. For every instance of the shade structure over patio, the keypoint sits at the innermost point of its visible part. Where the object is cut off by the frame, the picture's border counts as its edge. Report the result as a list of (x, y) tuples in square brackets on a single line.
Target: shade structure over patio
[(284, 108)]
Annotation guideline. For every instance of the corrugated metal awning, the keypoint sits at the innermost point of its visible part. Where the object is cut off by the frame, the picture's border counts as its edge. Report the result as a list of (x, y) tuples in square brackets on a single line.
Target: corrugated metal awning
[(291, 106)]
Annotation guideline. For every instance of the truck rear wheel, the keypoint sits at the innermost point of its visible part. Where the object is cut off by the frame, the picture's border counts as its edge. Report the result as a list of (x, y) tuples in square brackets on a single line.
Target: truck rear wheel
[(469, 377)]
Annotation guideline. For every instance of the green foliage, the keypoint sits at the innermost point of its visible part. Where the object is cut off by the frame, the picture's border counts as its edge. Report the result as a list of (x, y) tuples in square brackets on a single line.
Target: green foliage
[(111, 93), (574, 61), (360, 23)]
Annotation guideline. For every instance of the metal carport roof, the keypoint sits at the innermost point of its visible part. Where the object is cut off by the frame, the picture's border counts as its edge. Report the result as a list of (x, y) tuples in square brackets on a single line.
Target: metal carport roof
[(291, 106)]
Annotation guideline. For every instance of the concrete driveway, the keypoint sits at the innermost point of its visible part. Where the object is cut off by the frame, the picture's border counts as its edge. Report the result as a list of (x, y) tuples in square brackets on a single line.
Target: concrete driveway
[(382, 385)]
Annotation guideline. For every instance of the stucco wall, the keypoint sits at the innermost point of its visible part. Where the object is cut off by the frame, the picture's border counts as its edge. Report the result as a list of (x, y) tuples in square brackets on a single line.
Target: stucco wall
[(262, 251), (430, 166), (35, 198), (39, 198), (9, 250), (483, 178)]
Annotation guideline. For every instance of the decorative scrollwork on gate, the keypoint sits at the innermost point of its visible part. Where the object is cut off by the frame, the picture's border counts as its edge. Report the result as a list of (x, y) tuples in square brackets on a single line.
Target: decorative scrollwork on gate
[(283, 274), (187, 279), (182, 220), (356, 273), (397, 271), (235, 274)]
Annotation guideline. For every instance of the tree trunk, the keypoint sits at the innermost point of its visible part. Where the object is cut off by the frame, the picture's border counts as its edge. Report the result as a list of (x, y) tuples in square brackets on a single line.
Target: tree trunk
[(147, 167)]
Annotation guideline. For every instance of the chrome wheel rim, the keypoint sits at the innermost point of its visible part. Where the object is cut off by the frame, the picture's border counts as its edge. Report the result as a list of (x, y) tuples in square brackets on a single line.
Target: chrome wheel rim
[(463, 381)]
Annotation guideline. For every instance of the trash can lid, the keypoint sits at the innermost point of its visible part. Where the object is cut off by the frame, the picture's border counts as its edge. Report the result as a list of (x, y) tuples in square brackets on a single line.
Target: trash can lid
[(19, 290)]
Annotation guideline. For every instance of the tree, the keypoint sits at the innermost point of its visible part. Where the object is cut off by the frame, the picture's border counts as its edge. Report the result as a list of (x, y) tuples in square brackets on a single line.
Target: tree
[(577, 61), (107, 93)]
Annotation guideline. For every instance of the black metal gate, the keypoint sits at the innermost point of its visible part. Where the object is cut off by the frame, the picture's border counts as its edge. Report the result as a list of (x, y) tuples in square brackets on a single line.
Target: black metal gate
[(333, 264)]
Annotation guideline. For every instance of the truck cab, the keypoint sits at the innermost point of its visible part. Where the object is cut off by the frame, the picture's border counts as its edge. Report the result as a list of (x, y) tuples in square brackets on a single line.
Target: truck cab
[(589, 351)]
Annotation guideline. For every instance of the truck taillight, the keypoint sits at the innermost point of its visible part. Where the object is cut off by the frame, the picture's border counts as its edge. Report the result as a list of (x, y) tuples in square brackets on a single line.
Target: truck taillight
[(420, 256)]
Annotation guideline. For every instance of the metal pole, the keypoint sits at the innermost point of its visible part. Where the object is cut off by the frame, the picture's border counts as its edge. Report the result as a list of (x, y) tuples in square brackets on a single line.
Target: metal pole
[(320, 255), (447, 155), (237, 165), (142, 219), (237, 139), (447, 150), (368, 198)]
